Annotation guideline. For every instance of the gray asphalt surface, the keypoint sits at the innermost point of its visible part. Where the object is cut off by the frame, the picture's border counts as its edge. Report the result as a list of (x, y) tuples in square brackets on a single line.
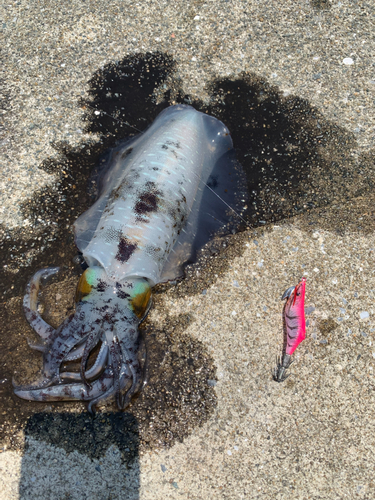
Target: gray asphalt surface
[(311, 437)]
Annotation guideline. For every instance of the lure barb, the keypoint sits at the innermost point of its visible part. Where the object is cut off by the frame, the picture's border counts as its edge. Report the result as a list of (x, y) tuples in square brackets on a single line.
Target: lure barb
[(283, 363)]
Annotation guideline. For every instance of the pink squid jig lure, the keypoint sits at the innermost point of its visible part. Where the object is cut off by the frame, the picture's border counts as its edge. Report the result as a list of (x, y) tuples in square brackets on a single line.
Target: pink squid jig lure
[(294, 327)]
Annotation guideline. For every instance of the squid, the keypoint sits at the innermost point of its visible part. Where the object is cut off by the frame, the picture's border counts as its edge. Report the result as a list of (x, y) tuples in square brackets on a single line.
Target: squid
[(162, 195)]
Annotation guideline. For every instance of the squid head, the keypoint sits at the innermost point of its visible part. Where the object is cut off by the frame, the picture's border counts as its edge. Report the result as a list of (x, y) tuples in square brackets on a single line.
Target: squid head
[(108, 312)]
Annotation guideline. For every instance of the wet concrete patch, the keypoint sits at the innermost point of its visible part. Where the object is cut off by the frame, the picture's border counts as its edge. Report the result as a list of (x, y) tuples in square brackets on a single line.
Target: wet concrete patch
[(321, 4), (326, 326), (294, 159), (352, 211), (179, 393)]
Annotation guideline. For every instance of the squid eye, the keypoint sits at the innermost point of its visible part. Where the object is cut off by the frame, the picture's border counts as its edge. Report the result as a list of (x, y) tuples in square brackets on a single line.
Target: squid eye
[(84, 286), (140, 300)]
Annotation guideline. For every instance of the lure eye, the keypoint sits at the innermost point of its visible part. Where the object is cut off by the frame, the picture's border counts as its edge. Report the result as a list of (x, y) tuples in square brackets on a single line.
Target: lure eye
[(295, 296)]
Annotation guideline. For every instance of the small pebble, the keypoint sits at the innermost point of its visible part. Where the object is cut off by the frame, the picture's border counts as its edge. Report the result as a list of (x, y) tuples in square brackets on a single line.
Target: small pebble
[(348, 61)]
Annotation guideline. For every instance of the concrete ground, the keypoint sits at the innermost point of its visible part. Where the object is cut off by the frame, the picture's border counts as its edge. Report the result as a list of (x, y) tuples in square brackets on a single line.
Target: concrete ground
[(211, 423)]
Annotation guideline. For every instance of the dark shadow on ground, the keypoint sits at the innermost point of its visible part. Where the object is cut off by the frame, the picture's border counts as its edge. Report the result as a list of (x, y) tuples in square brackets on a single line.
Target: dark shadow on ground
[(90, 436), (110, 441)]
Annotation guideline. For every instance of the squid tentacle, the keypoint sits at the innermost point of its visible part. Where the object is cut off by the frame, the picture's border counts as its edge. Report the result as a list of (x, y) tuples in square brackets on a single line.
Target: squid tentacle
[(73, 331), (91, 342), (43, 382), (123, 371), (73, 355), (69, 392), (123, 398), (37, 347), (115, 363), (96, 369), (30, 306)]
